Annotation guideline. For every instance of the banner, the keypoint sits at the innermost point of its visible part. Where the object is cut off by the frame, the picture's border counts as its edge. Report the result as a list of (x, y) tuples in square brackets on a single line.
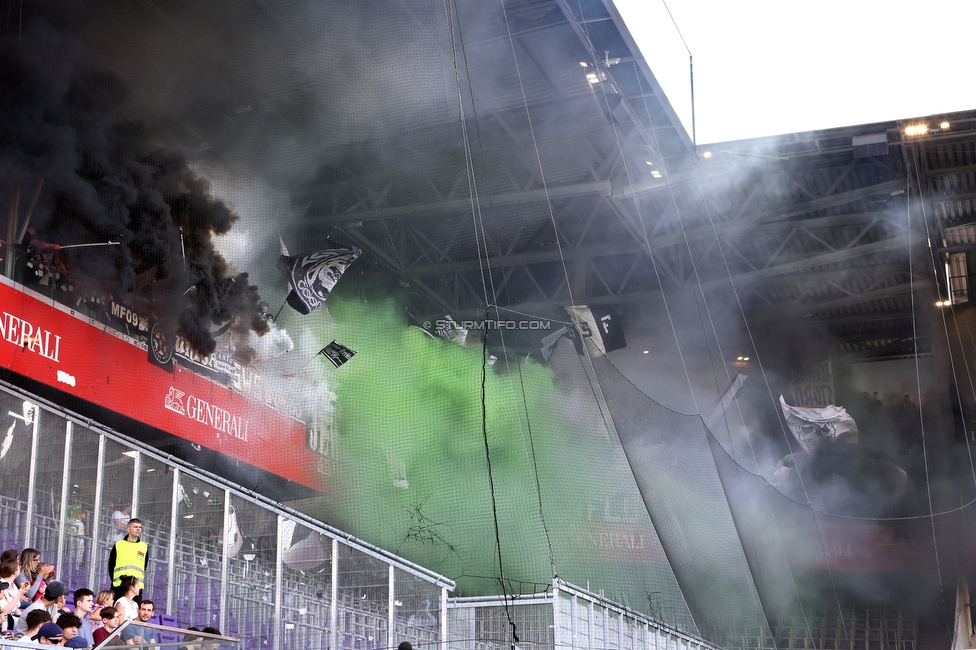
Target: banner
[(814, 386), (54, 345)]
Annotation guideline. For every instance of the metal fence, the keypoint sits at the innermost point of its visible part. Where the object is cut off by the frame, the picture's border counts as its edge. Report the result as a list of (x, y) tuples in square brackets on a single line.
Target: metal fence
[(566, 617), (218, 556)]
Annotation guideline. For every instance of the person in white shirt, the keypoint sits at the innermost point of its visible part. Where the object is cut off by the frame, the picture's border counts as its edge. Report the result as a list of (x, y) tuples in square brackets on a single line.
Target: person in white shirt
[(11, 595), (127, 606)]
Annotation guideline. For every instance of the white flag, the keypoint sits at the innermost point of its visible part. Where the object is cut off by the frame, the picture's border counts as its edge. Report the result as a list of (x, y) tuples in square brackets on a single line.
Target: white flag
[(811, 426)]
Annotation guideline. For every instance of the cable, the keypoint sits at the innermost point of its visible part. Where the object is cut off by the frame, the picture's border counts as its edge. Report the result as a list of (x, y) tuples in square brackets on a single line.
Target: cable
[(912, 166)]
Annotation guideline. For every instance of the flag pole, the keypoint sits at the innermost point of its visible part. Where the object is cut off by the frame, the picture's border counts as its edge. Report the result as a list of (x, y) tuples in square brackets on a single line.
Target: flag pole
[(275, 319), (104, 243)]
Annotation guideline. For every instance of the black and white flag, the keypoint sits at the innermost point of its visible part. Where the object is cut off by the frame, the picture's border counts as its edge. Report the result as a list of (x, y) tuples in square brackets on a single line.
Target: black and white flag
[(599, 324), (337, 353), (312, 277)]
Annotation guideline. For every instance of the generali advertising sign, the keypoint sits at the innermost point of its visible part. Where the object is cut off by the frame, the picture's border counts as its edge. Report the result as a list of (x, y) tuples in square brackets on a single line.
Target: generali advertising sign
[(50, 343)]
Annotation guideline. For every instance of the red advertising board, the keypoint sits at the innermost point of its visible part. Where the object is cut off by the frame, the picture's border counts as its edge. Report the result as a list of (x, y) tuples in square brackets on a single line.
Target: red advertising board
[(50, 343)]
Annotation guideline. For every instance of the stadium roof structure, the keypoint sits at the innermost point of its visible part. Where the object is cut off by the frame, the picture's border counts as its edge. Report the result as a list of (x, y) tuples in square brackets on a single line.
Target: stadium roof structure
[(523, 153)]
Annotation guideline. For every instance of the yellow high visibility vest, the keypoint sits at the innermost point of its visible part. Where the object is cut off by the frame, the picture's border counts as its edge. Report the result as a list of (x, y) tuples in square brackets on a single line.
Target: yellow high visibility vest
[(130, 560)]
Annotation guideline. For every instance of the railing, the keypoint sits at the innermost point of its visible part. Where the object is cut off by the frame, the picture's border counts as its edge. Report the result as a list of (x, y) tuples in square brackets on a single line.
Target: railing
[(567, 617), (352, 596)]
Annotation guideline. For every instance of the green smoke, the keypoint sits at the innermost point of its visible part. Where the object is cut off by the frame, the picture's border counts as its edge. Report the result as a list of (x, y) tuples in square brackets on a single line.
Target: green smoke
[(411, 450), (412, 473)]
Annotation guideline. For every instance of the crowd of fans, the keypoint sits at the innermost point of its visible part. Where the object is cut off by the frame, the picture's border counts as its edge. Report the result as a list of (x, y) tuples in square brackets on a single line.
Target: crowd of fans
[(35, 608)]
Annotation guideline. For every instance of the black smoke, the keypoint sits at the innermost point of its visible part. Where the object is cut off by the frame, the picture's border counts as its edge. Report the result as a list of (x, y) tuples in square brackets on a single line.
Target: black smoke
[(68, 127)]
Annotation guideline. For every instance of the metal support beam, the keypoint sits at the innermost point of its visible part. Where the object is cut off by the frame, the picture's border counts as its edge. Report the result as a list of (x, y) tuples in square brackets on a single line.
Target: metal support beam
[(812, 261), (462, 206), (765, 220)]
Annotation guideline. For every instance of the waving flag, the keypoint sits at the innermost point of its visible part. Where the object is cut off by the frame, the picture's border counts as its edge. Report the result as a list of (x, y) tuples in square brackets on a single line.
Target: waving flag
[(599, 324), (337, 353), (811, 426), (313, 276)]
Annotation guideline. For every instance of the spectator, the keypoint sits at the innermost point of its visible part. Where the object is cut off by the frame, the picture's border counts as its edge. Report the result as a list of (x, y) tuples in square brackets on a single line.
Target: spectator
[(126, 604), (11, 596), (84, 604), (190, 638), (404, 645), (54, 598), (75, 533), (111, 621), (9, 553), (34, 573), (49, 634), (35, 620), (69, 624), (907, 408), (105, 598), (136, 634), (120, 521), (210, 644)]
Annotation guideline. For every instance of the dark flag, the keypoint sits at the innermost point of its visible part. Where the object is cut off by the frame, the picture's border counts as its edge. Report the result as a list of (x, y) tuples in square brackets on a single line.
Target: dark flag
[(611, 329), (161, 345), (599, 324), (313, 276), (337, 353)]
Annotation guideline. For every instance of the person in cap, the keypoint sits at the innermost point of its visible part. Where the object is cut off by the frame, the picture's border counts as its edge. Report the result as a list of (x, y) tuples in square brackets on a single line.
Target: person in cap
[(54, 598), (49, 634)]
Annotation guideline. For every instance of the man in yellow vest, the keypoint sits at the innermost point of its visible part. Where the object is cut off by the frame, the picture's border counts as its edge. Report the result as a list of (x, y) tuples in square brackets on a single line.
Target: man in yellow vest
[(129, 556)]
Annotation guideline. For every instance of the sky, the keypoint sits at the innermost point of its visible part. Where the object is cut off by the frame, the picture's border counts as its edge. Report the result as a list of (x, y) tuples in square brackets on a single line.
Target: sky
[(767, 67)]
